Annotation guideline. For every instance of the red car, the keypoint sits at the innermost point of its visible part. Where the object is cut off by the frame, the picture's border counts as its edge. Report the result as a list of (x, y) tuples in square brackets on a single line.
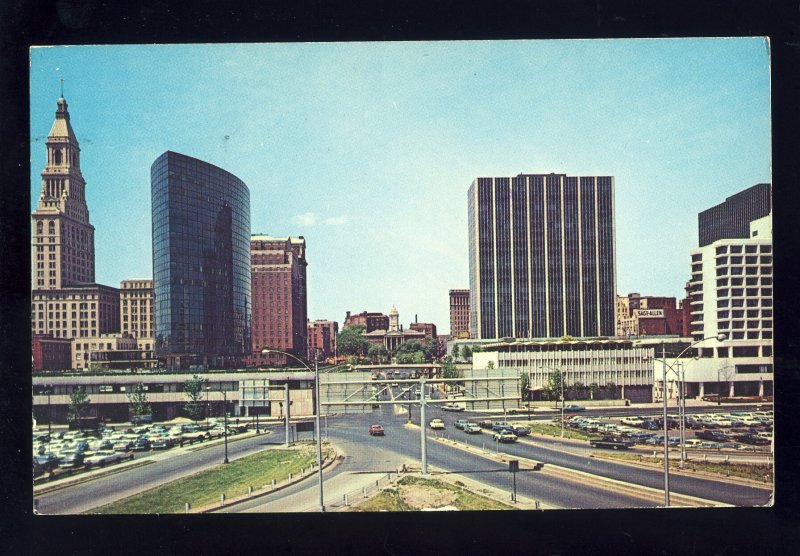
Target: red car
[(376, 430)]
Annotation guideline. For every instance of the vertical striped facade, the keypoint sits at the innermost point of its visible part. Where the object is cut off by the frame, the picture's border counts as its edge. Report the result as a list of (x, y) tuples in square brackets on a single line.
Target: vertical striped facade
[(542, 256)]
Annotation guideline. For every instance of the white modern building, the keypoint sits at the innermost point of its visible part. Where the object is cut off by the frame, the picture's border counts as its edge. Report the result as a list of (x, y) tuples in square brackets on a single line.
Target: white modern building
[(731, 294), (620, 364)]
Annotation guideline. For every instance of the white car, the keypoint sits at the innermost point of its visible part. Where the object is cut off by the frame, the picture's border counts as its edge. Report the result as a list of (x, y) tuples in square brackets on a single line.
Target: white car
[(505, 436), (102, 457), (437, 424)]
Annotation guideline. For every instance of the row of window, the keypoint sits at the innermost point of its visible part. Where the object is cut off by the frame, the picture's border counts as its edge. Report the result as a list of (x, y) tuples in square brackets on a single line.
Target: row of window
[(763, 248)]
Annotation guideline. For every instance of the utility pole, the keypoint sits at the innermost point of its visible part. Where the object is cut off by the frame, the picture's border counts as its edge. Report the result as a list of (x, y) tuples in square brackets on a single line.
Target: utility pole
[(286, 407)]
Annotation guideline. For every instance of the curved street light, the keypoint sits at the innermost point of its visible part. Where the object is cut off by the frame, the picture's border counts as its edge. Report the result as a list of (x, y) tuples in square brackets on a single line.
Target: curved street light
[(721, 337), (316, 411)]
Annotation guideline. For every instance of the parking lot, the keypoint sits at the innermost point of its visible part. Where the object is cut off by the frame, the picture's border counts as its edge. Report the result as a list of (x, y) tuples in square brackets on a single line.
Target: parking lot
[(66, 452), (735, 430)]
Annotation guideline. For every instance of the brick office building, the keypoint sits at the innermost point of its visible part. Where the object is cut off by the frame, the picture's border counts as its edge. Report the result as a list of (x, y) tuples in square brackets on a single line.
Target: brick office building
[(279, 294)]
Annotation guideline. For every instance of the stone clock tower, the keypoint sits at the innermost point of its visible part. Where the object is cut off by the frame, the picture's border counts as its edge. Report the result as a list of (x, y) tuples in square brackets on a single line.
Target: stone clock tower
[(62, 238)]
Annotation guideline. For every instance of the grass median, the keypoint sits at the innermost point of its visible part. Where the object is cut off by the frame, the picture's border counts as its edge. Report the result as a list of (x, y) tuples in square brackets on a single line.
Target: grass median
[(415, 493), (752, 471), (204, 488), (547, 429)]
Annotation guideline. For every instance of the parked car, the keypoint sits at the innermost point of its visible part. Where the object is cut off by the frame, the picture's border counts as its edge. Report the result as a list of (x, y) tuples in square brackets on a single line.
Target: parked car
[(162, 442), (71, 458), (472, 428), (437, 424), (753, 439), (102, 458), (141, 445), (376, 430), (485, 424), (716, 436), (500, 425), (505, 436), (44, 464), (459, 424), (611, 442), (520, 430)]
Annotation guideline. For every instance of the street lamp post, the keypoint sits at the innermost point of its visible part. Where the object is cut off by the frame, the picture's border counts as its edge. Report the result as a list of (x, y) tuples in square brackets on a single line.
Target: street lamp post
[(317, 406), (561, 380), (225, 418), (49, 418), (719, 337)]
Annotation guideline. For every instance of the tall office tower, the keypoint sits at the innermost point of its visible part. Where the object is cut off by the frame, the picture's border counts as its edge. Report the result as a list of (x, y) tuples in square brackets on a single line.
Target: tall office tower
[(731, 219), (731, 293), (201, 263), (63, 238), (322, 338), (541, 256), (280, 305), (459, 313), (65, 301)]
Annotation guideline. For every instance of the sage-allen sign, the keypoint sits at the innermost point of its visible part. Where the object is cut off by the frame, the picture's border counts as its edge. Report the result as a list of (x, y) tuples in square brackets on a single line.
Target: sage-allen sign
[(648, 313)]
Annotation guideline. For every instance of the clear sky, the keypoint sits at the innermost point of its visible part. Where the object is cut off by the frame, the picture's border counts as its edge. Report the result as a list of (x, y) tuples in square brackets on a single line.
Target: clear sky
[(368, 149)]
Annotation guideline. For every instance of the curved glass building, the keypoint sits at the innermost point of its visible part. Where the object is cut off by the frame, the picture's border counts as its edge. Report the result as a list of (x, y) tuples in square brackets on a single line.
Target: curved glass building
[(201, 263)]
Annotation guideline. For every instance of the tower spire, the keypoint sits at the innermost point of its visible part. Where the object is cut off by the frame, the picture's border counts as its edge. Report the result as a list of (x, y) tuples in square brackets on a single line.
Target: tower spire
[(62, 86)]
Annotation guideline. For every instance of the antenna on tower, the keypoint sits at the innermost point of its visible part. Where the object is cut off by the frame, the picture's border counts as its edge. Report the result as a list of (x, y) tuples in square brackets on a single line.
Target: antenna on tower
[(62, 86)]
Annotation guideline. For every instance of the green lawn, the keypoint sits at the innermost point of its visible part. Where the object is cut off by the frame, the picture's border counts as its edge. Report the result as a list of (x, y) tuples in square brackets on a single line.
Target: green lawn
[(205, 487), (400, 497)]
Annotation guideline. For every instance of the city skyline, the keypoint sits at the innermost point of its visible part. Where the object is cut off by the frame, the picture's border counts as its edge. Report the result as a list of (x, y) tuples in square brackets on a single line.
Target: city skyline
[(368, 149)]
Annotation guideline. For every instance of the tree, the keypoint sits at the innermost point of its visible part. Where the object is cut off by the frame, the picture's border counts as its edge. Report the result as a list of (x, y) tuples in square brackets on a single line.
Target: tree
[(490, 365), (193, 388), (524, 385), (593, 389), (553, 386), (455, 352), (449, 369), (467, 353), (351, 341), (377, 353), (78, 404), (137, 399), (610, 390)]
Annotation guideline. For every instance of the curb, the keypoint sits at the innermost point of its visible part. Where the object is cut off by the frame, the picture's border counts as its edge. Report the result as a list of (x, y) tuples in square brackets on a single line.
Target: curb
[(328, 462), (702, 474), (84, 478), (582, 477)]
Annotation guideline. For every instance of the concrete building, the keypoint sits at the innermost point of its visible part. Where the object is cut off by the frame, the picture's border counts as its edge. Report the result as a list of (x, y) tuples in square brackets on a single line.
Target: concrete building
[(371, 321), (621, 367), (65, 301), (731, 293), (322, 338), (280, 305), (110, 351), (542, 256), (201, 263), (246, 393), (639, 315), (137, 313), (459, 313)]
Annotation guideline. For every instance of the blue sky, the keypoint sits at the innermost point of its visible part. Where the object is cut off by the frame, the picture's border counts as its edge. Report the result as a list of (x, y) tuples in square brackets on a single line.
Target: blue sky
[(368, 149)]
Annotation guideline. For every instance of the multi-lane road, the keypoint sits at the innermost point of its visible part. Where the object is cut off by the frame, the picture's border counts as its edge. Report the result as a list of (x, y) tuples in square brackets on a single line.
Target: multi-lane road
[(367, 458)]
